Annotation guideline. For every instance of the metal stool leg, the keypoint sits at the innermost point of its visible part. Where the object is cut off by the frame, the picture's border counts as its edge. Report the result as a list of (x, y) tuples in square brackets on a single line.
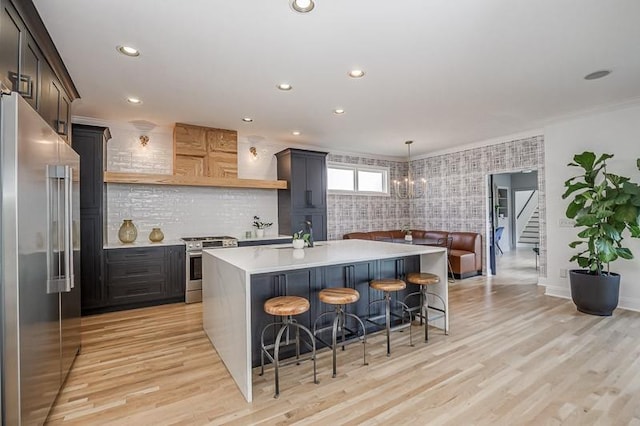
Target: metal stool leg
[(443, 310), (342, 323), (387, 297), (334, 339), (364, 337), (276, 357), (313, 350), (425, 306)]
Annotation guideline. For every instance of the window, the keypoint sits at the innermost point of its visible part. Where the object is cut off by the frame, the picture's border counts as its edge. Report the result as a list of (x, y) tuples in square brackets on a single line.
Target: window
[(366, 180)]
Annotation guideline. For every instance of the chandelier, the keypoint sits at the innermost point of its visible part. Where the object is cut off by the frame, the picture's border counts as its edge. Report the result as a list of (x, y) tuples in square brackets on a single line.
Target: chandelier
[(409, 187)]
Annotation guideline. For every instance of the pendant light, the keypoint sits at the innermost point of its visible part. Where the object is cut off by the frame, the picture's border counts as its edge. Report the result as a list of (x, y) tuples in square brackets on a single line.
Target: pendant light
[(409, 187)]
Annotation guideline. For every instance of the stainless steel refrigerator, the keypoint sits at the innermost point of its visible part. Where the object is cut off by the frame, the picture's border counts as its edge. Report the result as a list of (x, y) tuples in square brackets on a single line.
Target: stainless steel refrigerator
[(39, 265)]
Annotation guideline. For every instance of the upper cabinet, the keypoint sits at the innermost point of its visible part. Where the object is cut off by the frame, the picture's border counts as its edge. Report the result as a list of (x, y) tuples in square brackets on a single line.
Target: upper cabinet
[(305, 200), (31, 65), (204, 151), (11, 33)]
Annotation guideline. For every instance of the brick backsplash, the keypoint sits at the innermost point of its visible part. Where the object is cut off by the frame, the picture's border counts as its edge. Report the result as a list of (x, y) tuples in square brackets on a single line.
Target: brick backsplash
[(182, 211), (188, 211)]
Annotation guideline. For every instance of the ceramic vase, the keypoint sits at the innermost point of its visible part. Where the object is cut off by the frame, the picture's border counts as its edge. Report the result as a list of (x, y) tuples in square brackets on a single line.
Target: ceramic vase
[(259, 233), (298, 244), (156, 235), (128, 231)]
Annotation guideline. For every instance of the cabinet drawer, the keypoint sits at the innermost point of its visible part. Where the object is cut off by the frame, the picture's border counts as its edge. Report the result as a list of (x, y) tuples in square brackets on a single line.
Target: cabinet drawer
[(137, 268), (143, 288), (134, 254)]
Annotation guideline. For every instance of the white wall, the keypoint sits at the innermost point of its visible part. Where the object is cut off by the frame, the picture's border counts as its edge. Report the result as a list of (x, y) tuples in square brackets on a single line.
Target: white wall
[(616, 132)]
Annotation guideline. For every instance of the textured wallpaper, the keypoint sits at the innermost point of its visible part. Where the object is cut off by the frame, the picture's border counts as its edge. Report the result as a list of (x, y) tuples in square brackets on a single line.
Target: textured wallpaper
[(456, 198)]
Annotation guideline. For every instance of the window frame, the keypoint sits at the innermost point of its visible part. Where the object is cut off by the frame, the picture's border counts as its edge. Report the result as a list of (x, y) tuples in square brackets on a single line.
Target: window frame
[(386, 192)]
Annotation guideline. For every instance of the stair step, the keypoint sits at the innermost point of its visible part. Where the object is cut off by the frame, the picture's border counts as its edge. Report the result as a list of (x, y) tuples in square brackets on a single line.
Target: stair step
[(528, 240)]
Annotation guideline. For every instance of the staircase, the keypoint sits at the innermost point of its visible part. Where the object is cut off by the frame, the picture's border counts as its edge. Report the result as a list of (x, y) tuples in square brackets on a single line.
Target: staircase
[(531, 232)]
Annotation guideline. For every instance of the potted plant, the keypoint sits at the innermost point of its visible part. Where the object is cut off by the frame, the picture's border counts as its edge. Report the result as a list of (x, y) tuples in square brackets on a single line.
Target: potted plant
[(260, 226), (407, 233), (300, 239), (605, 206)]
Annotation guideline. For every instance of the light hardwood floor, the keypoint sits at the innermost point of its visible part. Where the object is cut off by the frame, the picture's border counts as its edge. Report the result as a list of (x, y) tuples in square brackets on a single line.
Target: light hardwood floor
[(514, 356)]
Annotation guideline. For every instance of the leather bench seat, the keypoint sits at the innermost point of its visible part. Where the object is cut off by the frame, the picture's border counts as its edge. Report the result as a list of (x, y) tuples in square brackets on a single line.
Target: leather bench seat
[(465, 254)]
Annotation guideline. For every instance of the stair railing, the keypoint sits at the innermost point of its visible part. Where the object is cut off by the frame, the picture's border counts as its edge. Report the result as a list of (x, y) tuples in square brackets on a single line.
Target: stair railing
[(526, 203)]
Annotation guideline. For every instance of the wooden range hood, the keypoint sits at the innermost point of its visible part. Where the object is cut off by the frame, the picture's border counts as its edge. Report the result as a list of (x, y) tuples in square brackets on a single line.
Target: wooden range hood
[(202, 156)]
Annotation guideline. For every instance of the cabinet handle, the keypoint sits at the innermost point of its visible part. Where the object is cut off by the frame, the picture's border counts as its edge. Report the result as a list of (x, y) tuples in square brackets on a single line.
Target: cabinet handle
[(143, 270), (25, 86), (62, 127), (308, 198)]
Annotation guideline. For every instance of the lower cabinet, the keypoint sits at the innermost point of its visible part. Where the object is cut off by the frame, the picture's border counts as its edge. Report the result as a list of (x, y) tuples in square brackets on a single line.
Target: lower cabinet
[(143, 276), (308, 283)]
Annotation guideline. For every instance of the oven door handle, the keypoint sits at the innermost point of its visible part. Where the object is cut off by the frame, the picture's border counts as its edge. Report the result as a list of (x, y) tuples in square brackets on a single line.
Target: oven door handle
[(194, 253)]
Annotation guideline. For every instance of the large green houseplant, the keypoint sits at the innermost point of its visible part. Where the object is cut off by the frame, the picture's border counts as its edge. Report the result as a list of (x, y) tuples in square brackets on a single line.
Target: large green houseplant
[(604, 206)]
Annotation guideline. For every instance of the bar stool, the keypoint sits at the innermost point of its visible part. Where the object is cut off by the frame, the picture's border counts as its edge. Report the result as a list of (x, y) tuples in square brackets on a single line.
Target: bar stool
[(424, 280), (339, 297), (285, 307), (387, 286)]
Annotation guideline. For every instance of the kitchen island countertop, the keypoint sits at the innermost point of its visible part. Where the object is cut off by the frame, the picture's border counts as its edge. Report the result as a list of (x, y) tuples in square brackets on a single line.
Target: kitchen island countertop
[(283, 257)]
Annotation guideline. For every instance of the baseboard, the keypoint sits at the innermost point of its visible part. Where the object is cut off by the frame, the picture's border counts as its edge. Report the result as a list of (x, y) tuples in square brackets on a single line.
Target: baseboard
[(465, 275), (564, 292), (557, 291)]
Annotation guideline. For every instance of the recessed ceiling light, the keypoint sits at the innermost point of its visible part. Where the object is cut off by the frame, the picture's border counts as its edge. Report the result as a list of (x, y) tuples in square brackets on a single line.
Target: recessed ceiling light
[(134, 101), (128, 50), (302, 6), (295, 133), (338, 111), (597, 74), (356, 73), (247, 119), (284, 86)]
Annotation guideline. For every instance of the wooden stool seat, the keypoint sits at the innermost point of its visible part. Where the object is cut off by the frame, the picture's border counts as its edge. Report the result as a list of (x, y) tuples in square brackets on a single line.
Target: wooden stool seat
[(388, 284), (286, 305), (422, 278), (339, 296)]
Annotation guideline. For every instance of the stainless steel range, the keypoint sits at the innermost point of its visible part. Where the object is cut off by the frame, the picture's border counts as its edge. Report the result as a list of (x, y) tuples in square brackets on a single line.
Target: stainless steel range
[(194, 246)]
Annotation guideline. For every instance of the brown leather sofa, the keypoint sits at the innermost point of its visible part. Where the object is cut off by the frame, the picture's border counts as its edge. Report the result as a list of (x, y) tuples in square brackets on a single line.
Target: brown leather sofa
[(465, 254)]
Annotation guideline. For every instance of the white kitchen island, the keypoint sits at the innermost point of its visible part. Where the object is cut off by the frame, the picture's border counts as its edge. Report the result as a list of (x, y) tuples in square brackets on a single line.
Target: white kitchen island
[(227, 286)]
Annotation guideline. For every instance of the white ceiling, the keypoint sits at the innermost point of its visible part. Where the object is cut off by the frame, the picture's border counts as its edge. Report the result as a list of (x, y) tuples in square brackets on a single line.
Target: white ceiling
[(440, 72)]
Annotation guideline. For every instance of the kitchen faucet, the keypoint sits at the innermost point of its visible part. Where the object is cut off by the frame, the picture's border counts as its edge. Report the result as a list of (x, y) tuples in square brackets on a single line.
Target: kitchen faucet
[(310, 230)]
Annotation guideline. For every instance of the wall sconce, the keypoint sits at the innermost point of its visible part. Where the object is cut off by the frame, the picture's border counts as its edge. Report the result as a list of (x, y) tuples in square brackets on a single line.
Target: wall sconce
[(144, 140), (254, 152)]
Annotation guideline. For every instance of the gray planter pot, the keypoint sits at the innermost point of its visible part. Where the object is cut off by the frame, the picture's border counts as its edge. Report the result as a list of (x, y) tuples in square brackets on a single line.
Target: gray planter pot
[(594, 294)]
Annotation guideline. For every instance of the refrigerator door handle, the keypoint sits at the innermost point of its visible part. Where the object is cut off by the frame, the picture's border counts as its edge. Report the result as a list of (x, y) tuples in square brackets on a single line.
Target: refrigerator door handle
[(68, 228), (56, 276)]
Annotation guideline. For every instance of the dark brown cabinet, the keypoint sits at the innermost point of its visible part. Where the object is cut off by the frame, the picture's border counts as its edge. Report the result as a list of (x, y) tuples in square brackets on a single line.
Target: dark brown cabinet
[(55, 106), (12, 30), (305, 198), (90, 142), (30, 74), (25, 69), (144, 276)]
